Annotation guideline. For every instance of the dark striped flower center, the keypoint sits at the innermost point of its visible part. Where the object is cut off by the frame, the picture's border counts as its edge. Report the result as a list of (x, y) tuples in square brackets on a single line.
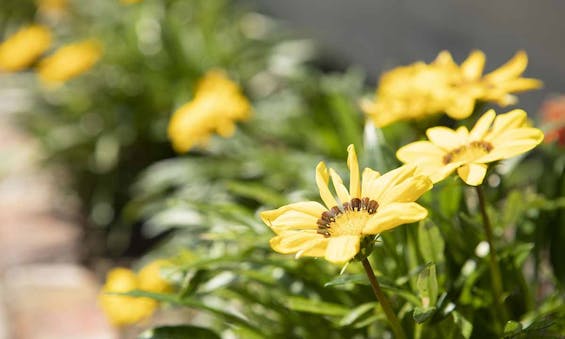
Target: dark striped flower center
[(348, 219), (468, 153)]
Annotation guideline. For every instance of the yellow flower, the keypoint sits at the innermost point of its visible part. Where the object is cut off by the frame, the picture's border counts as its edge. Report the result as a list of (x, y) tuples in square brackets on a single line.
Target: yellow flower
[(124, 310), (420, 90), (150, 278), (23, 48), (218, 103), (371, 206), (55, 7), (69, 61), (127, 2), (492, 138)]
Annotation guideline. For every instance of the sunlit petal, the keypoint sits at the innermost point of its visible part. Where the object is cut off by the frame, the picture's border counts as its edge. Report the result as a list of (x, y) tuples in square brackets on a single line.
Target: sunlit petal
[(353, 164), (472, 174), (342, 249), (322, 179), (393, 215)]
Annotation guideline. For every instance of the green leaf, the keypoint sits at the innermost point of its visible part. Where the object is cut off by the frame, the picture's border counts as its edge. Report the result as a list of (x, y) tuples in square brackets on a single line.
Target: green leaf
[(179, 332), (359, 279), (316, 307), (431, 243), (422, 314), (427, 286), (512, 328), (357, 313)]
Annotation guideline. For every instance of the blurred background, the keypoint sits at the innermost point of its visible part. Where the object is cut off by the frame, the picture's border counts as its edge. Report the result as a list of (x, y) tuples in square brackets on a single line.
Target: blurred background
[(75, 197)]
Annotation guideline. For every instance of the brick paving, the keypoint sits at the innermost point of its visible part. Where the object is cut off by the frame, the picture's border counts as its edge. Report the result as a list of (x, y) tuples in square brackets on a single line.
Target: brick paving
[(44, 293)]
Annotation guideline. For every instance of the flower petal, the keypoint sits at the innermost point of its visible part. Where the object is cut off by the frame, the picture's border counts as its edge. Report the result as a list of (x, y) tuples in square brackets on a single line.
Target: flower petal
[(379, 187), (295, 241), (393, 215), (461, 106), (444, 137), (472, 174), (342, 249), (512, 143), (419, 151), (472, 67), (504, 122), (511, 69), (369, 176), (408, 191), (301, 215), (445, 59), (340, 189), (353, 165), (482, 126), (322, 179)]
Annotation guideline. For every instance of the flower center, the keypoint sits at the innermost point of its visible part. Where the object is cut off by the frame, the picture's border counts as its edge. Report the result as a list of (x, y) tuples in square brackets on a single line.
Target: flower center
[(349, 219), (468, 153)]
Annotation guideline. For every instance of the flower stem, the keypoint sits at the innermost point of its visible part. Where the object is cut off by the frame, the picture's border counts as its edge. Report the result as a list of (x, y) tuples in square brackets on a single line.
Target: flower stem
[(385, 304), (496, 277)]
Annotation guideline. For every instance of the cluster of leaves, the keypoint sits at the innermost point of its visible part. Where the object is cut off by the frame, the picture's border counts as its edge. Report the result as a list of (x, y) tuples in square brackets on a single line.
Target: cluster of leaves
[(106, 129)]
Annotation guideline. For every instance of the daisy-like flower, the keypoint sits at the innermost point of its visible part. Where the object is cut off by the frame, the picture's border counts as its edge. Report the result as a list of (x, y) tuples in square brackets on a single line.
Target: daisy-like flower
[(492, 138), (217, 105), (419, 90), (69, 61), (372, 205), (24, 47), (120, 309), (125, 310)]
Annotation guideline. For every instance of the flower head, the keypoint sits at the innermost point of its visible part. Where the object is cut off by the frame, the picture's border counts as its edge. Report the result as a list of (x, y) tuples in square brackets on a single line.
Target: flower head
[(373, 204), (420, 90), (52, 7), (124, 310), (69, 61), (150, 278), (21, 49), (492, 138), (218, 103)]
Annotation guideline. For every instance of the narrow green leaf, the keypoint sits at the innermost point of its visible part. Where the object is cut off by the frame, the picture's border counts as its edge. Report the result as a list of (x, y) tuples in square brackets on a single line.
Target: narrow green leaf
[(316, 307), (357, 313), (359, 279), (179, 332)]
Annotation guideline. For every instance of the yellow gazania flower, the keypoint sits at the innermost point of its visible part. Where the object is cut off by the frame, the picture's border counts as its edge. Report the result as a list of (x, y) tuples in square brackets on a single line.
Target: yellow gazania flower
[(69, 61), (218, 103), (24, 47), (150, 278), (492, 138), (371, 206), (124, 310), (52, 6), (420, 90)]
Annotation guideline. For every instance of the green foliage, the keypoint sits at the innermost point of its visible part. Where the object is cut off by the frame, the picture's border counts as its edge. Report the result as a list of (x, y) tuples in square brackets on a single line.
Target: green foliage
[(107, 131)]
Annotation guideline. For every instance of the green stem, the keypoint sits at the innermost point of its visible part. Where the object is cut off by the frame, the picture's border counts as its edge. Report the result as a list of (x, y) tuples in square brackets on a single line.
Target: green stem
[(496, 277), (385, 304)]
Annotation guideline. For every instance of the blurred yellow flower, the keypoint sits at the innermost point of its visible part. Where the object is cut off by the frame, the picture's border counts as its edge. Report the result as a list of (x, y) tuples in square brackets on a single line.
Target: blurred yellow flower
[(69, 61), (371, 206), (127, 2), (420, 89), (218, 103), (21, 49), (52, 6), (124, 310), (150, 277), (492, 138)]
